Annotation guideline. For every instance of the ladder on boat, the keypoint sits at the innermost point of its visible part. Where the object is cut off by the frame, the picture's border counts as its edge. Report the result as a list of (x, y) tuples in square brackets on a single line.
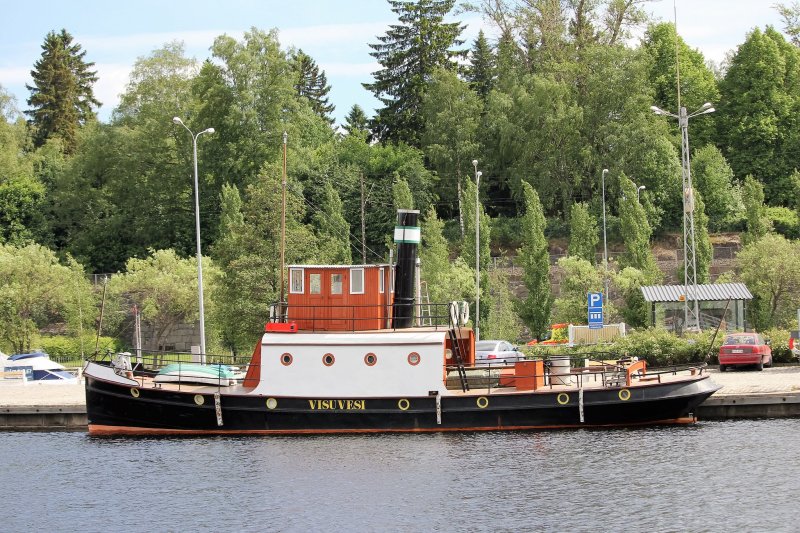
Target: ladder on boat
[(455, 342), (426, 317)]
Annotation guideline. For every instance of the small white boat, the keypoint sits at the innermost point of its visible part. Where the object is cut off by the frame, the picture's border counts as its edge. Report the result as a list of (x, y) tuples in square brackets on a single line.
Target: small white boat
[(37, 367)]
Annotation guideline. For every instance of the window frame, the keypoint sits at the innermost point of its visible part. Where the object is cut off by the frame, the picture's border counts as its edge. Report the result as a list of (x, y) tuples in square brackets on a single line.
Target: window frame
[(292, 272), (352, 271)]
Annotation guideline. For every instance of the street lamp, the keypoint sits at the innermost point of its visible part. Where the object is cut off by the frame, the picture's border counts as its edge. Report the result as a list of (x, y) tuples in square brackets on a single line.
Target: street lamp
[(639, 189), (689, 248), (477, 250), (605, 244), (177, 120)]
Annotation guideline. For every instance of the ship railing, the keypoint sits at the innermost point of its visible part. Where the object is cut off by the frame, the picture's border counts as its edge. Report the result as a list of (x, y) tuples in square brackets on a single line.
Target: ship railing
[(145, 368), (362, 317), (572, 372)]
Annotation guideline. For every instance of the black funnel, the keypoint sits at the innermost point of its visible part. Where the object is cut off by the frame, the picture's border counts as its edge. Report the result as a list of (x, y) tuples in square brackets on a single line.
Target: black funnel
[(406, 235)]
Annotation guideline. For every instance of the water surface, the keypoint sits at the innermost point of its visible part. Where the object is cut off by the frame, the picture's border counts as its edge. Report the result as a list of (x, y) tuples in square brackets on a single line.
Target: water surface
[(713, 476)]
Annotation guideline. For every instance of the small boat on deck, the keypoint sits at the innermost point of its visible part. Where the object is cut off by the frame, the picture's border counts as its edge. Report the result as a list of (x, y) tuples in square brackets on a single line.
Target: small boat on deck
[(345, 354), (217, 374)]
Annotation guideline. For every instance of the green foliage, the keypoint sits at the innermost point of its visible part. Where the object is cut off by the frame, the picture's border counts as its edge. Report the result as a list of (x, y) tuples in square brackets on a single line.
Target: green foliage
[(451, 116), (713, 178), (779, 343), (755, 211), (771, 271), (468, 248), (502, 321), (71, 350), (785, 221), (758, 111), (583, 233), (635, 310), (446, 280), (36, 290), (164, 287), (534, 309), (356, 122), (61, 95), (312, 84), (481, 71), (333, 231), (579, 278), (402, 195), (409, 53), (636, 232), (702, 242)]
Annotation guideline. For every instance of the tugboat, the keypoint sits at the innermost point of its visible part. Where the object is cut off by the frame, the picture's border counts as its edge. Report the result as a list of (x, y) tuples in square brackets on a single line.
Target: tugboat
[(344, 353)]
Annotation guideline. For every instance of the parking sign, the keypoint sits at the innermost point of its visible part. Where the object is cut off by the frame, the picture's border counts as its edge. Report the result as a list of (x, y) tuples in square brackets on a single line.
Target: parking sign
[(595, 306)]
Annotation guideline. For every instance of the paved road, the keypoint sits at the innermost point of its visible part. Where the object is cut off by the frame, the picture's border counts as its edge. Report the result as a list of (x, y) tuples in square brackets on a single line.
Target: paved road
[(784, 379), (780, 379)]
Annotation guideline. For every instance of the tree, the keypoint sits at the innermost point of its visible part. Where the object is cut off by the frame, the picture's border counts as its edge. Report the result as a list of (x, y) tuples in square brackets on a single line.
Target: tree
[(790, 13), (579, 279), (481, 70), (755, 211), (446, 280), (502, 321), (164, 287), (713, 178), (758, 112), (409, 53), (771, 271), (312, 84), (635, 309), (704, 251), (451, 114), (636, 232), (36, 290), (534, 309), (333, 231), (583, 236), (356, 121), (61, 98), (698, 84), (402, 195)]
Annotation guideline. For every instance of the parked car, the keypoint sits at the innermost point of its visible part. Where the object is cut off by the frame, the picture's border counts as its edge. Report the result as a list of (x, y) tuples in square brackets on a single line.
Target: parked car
[(744, 349), (494, 352), (794, 346)]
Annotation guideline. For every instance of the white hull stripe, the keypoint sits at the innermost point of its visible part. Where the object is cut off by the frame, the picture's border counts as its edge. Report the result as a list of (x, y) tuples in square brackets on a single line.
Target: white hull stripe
[(406, 234)]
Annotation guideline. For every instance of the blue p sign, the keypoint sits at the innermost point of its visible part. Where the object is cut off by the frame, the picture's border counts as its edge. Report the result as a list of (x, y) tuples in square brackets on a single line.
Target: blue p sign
[(595, 299)]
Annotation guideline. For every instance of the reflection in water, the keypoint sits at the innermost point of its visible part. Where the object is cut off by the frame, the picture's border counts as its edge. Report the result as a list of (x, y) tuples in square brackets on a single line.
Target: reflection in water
[(655, 479)]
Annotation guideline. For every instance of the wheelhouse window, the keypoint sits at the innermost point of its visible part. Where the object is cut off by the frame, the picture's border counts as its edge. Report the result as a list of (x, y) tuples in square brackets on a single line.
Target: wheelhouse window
[(315, 283), (336, 284), (296, 280), (356, 281)]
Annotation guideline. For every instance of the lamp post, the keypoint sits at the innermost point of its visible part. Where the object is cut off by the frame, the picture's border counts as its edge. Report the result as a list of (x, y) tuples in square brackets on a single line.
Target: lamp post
[(691, 317), (605, 244), (477, 250), (639, 189), (177, 120)]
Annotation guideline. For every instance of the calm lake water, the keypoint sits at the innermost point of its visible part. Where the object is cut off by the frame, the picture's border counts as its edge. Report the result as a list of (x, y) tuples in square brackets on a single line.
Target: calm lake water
[(714, 476)]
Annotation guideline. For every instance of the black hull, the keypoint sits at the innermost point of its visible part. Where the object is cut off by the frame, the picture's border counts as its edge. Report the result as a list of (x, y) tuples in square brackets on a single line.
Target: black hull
[(120, 409)]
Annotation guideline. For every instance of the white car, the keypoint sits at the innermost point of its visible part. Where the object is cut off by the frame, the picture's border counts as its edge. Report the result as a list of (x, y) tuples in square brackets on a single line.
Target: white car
[(494, 352)]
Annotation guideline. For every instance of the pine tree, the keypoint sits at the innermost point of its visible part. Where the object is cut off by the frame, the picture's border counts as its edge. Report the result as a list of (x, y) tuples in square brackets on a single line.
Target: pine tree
[(534, 309), (409, 53), (311, 83), (356, 121), (481, 70), (61, 98)]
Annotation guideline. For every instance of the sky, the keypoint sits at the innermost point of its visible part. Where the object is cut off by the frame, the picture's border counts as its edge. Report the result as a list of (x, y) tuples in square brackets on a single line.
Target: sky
[(336, 33)]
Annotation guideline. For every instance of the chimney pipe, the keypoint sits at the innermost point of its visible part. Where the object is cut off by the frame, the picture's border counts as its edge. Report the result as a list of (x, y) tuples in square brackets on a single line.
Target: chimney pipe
[(406, 235)]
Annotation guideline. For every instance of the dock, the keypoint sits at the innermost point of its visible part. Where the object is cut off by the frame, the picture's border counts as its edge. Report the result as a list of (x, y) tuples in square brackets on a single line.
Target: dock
[(746, 393)]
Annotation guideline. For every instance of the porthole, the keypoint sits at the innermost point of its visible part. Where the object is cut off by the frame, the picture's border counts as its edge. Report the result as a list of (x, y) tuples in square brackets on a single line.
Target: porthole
[(328, 359), (563, 398), (403, 404), (482, 402), (199, 400), (286, 359), (272, 403), (624, 395), (370, 359), (135, 392), (413, 359)]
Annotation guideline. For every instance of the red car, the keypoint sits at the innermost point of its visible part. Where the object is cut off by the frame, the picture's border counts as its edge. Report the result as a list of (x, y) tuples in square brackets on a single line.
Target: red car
[(741, 349)]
